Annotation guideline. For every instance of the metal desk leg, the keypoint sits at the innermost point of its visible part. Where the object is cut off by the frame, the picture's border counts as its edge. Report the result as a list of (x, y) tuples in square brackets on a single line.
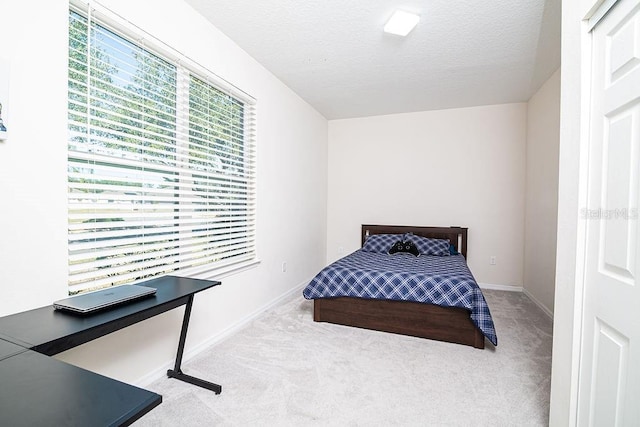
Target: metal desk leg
[(176, 372)]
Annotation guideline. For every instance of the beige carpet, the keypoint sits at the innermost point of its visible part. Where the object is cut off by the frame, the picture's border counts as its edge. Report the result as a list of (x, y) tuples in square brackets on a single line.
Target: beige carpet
[(286, 370)]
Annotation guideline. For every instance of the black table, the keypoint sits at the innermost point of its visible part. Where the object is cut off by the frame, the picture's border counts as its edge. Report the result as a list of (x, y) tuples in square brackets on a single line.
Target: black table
[(40, 391), (56, 393)]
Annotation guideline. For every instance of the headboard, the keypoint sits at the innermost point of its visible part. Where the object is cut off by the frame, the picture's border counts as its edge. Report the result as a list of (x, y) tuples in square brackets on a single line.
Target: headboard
[(456, 235)]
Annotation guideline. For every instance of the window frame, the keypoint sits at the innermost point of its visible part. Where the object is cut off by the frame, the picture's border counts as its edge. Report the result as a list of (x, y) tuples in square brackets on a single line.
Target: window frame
[(187, 69)]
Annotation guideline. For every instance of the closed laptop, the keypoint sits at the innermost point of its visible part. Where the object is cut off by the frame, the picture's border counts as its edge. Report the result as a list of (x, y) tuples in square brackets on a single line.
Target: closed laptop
[(104, 298)]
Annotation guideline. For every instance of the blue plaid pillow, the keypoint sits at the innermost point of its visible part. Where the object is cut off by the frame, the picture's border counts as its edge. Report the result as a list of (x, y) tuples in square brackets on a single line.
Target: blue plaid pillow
[(380, 243), (429, 246)]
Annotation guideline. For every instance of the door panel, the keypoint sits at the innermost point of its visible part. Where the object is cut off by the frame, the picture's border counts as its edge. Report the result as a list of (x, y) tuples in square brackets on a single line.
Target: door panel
[(619, 195), (610, 373), (609, 384)]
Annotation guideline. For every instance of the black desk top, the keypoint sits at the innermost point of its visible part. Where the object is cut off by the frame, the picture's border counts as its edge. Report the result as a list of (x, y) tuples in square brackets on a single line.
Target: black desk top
[(8, 349), (49, 331), (40, 391)]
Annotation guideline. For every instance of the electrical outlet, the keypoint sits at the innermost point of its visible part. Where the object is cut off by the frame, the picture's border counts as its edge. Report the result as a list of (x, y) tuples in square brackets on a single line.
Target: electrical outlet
[(492, 260), (284, 267)]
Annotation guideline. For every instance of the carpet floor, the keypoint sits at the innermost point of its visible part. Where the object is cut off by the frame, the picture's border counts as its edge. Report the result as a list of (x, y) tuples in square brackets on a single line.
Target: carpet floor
[(283, 369)]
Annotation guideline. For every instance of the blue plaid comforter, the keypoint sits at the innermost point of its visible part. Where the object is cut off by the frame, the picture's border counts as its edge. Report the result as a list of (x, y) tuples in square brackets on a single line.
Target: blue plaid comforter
[(440, 280)]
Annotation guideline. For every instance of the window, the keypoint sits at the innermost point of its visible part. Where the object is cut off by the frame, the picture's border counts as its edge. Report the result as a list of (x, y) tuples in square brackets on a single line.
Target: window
[(161, 167)]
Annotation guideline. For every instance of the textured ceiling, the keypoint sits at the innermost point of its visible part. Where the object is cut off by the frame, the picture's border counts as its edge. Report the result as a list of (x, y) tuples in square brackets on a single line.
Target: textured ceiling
[(334, 54)]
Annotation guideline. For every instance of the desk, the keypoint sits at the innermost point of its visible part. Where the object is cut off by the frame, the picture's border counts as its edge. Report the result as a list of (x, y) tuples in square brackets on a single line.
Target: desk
[(8, 349), (26, 337), (40, 391)]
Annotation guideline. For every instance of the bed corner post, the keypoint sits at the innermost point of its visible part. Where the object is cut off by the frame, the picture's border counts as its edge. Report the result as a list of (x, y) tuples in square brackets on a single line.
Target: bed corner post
[(461, 239), (365, 234), (316, 310), (463, 247)]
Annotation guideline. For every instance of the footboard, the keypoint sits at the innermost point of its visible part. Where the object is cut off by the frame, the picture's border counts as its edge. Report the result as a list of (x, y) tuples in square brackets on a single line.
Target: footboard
[(450, 324)]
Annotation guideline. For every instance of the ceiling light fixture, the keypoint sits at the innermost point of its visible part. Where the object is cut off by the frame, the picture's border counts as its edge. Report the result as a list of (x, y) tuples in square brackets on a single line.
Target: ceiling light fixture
[(401, 23)]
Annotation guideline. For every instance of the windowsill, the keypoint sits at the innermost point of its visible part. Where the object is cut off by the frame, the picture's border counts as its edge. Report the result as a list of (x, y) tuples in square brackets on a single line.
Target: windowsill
[(222, 272)]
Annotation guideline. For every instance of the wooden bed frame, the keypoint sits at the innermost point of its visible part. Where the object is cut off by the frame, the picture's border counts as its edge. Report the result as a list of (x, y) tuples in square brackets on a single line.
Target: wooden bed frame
[(451, 324)]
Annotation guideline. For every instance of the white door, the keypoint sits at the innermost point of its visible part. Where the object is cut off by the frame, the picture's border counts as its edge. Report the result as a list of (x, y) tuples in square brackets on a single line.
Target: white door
[(609, 384)]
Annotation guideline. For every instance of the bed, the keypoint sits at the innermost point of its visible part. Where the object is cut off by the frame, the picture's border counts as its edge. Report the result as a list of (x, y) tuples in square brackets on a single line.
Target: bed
[(448, 304)]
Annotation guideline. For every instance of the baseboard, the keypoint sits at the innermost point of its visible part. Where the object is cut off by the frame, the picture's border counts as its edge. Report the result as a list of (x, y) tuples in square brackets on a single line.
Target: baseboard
[(517, 289), (161, 371), (500, 287), (539, 304)]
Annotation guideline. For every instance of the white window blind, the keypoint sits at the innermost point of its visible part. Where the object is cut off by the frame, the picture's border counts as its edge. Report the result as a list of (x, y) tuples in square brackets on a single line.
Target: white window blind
[(161, 167)]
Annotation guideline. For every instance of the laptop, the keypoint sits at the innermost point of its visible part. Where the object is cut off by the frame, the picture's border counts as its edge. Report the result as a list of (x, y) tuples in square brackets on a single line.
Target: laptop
[(104, 298)]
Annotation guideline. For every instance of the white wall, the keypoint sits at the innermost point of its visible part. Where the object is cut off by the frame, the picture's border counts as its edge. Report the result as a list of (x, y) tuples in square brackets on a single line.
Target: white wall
[(568, 295), (449, 167), (541, 213), (292, 183), (33, 162)]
